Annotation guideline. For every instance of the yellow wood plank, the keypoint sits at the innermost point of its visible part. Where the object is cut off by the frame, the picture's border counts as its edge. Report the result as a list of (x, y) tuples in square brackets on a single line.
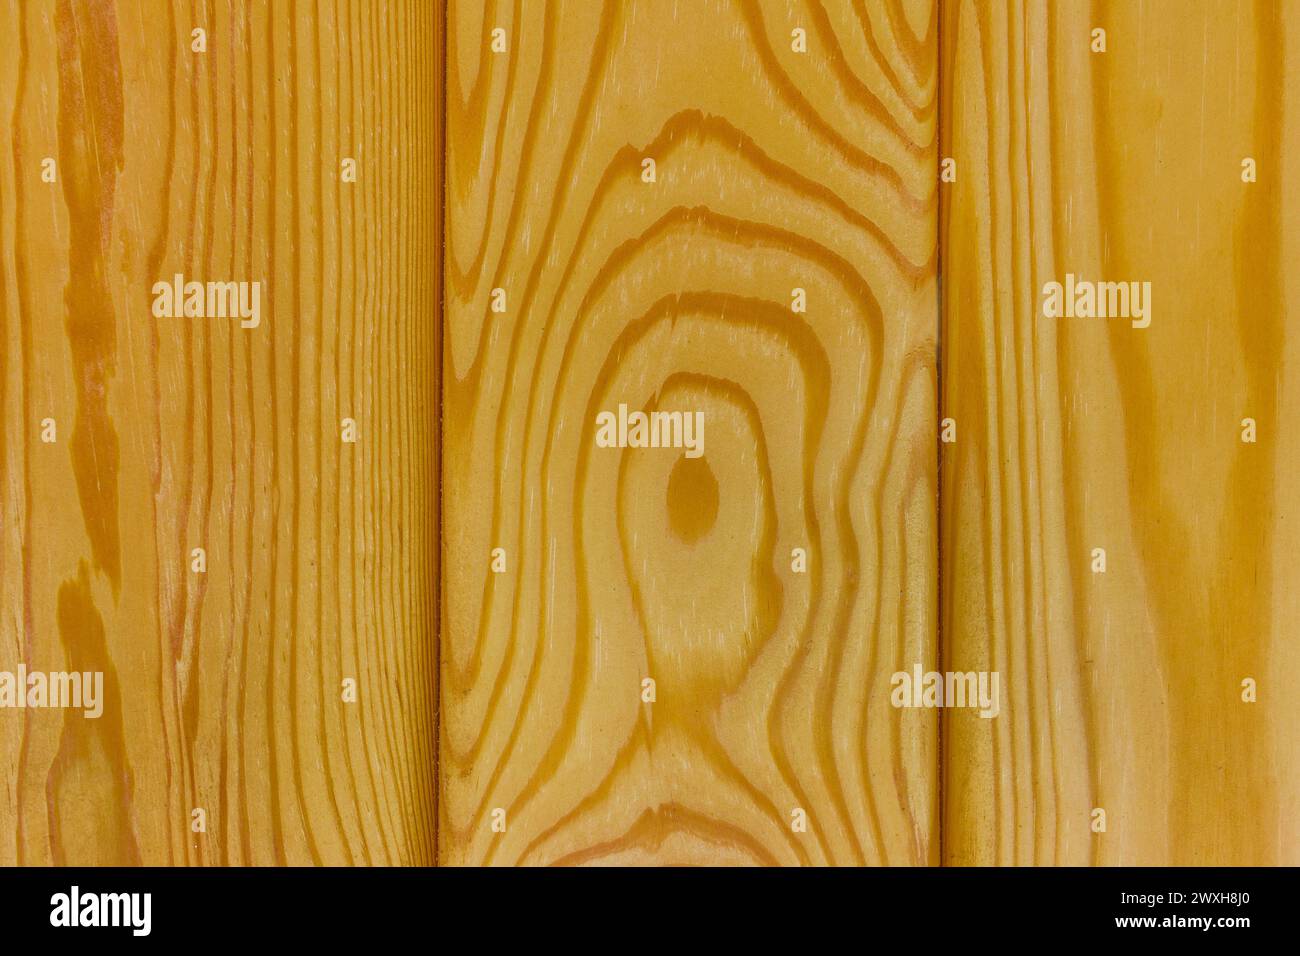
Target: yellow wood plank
[(223, 689), (775, 169), (1122, 689)]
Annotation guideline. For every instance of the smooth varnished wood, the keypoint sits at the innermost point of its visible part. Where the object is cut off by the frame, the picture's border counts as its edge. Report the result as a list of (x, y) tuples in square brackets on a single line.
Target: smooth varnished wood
[(1123, 688), (774, 170), (224, 688)]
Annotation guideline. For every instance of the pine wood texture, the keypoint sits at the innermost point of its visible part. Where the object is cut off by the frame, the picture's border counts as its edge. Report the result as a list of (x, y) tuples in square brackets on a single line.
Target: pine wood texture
[(1122, 689), (224, 687), (636, 196), (774, 170)]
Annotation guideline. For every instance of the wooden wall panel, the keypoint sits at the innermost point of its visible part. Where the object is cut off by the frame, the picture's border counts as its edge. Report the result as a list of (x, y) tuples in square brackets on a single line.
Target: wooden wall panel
[(223, 688), (1123, 689), (774, 170)]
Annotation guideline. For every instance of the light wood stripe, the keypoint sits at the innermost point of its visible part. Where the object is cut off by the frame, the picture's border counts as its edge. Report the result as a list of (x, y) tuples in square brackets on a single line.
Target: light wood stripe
[(1123, 688), (224, 688), (774, 170)]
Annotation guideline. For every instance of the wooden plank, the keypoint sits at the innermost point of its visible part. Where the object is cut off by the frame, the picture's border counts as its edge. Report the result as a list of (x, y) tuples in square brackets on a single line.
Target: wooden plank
[(223, 689), (1123, 689), (773, 170)]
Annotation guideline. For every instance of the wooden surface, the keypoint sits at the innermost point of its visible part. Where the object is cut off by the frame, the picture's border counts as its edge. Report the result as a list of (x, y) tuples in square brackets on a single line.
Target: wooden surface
[(1123, 688), (774, 170), (500, 715), (223, 688)]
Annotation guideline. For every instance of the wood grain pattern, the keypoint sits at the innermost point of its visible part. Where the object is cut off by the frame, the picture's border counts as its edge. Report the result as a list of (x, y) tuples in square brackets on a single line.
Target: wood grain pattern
[(774, 170), (223, 688), (1123, 688), (499, 714)]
